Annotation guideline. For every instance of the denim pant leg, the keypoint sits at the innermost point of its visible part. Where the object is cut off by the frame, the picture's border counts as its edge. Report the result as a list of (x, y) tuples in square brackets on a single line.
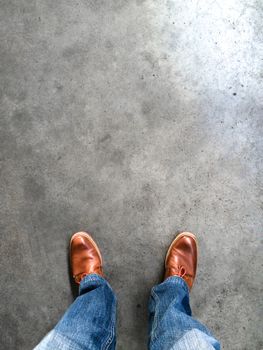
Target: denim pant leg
[(89, 323), (171, 326)]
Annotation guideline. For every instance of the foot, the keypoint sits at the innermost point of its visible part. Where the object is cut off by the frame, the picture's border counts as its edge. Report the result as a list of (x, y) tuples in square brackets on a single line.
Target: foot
[(85, 257), (181, 258)]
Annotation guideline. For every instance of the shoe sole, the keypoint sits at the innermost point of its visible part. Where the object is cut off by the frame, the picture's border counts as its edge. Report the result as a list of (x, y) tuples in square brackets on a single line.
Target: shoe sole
[(86, 235), (182, 234)]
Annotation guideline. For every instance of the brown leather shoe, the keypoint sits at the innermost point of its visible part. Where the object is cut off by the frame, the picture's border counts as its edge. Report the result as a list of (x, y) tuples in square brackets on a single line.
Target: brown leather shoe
[(85, 256), (181, 258)]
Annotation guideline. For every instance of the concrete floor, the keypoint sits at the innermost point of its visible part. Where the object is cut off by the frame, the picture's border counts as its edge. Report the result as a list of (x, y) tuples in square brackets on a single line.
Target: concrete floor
[(132, 120)]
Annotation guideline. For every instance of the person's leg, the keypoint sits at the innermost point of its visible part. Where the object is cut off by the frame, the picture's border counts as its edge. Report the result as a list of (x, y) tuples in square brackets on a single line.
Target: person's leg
[(89, 323), (171, 326)]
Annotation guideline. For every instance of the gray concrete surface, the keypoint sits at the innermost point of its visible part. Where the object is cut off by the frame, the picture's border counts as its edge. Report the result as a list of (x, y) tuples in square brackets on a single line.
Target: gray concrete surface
[(132, 120)]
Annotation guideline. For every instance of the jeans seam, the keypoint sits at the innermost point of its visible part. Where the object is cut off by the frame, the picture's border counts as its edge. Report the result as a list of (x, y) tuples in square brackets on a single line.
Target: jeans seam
[(109, 340), (111, 336), (155, 320)]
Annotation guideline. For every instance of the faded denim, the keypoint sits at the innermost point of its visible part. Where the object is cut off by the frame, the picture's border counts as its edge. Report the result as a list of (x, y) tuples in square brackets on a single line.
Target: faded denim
[(90, 322)]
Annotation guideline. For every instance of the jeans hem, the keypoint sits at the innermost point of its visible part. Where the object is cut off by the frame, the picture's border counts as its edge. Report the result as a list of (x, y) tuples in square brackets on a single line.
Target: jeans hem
[(91, 278), (175, 280)]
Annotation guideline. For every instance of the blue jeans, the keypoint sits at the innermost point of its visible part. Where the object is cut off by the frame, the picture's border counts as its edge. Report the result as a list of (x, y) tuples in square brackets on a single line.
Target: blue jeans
[(90, 321)]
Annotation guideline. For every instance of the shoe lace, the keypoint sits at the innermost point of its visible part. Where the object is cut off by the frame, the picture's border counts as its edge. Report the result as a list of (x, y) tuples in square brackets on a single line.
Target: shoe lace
[(181, 271), (79, 277)]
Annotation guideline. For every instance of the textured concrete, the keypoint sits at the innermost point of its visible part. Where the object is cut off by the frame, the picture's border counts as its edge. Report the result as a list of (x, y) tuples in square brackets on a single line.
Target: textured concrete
[(132, 120)]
